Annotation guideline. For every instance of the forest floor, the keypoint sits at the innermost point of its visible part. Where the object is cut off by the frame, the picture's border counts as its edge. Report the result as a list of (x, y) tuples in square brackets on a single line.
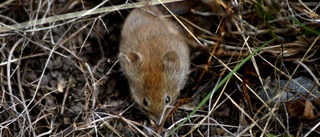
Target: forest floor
[(255, 70)]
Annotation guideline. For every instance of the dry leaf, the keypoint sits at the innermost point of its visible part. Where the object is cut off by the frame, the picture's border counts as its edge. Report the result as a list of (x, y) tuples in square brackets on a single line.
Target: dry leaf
[(303, 109)]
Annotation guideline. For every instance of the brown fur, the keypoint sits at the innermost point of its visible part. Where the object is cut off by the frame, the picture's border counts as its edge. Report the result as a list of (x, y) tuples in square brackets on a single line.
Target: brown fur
[(154, 59)]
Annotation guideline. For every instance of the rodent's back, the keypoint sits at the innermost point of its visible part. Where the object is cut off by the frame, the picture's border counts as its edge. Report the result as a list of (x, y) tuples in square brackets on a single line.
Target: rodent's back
[(155, 60)]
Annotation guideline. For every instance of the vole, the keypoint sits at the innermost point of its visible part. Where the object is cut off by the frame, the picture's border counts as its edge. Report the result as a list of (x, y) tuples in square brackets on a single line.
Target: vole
[(154, 59)]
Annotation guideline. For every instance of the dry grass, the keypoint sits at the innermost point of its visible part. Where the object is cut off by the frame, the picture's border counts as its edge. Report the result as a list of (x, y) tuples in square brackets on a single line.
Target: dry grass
[(60, 76)]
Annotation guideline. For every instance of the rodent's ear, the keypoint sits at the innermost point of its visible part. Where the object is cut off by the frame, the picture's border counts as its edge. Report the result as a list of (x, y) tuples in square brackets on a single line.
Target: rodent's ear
[(134, 57), (171, 60)]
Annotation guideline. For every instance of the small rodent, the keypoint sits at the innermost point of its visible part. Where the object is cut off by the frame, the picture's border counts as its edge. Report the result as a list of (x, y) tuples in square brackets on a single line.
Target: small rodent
[(154, 59)]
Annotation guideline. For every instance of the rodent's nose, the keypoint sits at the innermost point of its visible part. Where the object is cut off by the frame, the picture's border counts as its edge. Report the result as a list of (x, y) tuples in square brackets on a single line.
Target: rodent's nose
[(158, 122), (156, 119)]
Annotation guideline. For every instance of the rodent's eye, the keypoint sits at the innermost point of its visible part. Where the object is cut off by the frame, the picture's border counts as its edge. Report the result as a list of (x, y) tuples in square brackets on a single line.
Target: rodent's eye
[(167, 99), (145, 102)]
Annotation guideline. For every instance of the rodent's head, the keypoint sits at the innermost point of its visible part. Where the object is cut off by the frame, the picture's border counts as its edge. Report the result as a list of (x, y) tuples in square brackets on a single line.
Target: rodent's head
[(155, 84)]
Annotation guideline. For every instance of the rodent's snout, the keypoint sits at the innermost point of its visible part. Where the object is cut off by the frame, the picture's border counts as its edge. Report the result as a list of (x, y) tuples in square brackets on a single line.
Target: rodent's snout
[(158, 118)]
